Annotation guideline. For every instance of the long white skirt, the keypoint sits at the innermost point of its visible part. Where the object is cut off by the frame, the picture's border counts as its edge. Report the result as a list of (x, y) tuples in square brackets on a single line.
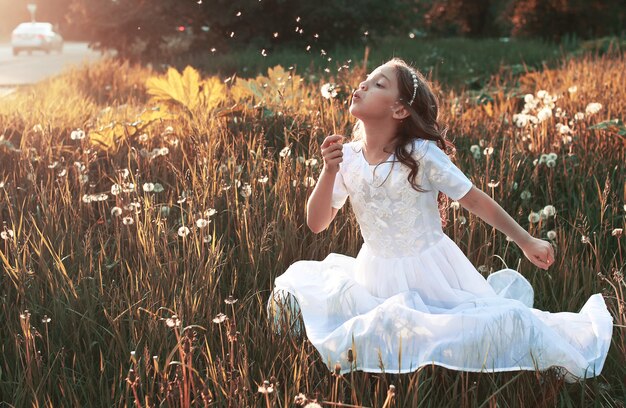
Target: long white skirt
[(398, 314)]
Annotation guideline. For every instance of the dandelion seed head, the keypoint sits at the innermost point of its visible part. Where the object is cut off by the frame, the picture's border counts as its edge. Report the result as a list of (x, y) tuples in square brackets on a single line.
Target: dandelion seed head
[(551, 234), (183, 231), (116, 211), (201, 222), (593, 108), (525, 195), (77, 134), (534, 217), (285, 152), (127, 220), (148, 187)]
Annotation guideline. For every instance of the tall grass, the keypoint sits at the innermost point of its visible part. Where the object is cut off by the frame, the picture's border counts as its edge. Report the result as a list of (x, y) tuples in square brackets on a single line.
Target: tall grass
[(101, 309)]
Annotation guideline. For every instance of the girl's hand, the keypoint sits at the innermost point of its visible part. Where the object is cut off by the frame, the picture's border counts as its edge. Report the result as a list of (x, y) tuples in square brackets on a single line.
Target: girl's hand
[(539, 252), (332, 152)]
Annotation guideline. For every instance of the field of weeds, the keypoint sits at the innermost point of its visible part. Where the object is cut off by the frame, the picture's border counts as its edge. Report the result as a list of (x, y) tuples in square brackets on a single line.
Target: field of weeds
[(146, 215)]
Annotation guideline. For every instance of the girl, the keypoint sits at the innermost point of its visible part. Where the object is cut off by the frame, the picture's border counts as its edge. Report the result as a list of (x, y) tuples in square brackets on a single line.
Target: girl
[(411, 297)]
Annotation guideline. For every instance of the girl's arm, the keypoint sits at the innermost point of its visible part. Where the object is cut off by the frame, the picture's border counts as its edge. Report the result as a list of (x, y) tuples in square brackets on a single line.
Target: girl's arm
[(319, 210), (538, 251)]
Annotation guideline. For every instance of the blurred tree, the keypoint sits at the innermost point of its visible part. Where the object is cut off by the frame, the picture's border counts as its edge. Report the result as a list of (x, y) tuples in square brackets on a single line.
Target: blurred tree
[(141, 28), (552, 19)]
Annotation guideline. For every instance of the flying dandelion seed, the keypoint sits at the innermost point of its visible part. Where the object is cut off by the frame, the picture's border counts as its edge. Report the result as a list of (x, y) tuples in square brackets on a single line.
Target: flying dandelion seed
[(127, 220), (183, 231), (116, 211), (308, 48), (213, 49), (275, 35), (263, 52), (232, 34), (298, 19), (238, 14)]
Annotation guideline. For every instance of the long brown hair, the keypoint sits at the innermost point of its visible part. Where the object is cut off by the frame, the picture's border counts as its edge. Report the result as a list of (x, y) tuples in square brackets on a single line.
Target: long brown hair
[(420, 124)]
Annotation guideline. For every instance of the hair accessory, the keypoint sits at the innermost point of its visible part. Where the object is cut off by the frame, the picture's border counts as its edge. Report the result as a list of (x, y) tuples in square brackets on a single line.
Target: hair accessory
[(414, 87)]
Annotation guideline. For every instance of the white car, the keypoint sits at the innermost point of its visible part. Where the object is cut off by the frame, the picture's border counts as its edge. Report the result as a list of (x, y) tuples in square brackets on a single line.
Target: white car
[(36, 36)]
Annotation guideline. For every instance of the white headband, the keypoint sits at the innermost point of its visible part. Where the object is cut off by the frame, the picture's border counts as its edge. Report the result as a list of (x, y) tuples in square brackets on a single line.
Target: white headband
[(414, 87)]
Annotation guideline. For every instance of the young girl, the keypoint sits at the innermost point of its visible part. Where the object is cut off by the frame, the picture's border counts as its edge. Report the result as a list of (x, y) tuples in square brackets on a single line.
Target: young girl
[(411, 297)]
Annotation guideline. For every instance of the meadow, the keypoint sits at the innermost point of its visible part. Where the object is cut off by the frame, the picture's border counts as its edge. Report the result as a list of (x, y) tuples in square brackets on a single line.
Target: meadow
[(146, 214)]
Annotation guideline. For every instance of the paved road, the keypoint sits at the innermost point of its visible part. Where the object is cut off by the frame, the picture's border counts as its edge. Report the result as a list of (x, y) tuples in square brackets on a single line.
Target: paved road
[(27, 69)]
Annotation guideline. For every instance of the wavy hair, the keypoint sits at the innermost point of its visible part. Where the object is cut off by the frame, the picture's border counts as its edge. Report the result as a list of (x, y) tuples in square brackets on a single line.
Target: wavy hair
[(420, 124)]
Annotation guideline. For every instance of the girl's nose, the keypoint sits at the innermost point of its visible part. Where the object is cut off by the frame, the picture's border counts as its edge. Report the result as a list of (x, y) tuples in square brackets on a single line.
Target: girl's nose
[(362, 85)]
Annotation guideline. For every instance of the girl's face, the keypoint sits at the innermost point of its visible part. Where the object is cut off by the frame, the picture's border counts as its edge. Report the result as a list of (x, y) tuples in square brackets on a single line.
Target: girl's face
[(377, 95)]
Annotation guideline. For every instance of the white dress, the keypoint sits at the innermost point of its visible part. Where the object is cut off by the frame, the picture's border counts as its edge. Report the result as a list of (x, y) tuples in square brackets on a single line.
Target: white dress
[(412, 298)]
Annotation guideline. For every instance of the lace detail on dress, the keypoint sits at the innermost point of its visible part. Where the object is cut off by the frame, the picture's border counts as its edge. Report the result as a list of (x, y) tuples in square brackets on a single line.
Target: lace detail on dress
[(390, 213)]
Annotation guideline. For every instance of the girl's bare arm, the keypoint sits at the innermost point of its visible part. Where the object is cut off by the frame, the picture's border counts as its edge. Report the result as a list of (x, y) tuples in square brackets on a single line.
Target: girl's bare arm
[(538, 251)]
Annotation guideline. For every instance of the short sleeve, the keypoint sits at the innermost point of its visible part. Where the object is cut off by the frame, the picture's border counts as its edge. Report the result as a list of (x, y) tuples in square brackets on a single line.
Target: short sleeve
[(443, 174), (340, 192)]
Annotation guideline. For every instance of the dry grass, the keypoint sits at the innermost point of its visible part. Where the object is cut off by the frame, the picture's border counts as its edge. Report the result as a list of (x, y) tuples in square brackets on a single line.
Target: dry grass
[(131, 307)]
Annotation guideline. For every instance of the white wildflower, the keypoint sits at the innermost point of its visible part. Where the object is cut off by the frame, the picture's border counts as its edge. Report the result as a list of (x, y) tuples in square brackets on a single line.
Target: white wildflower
[(551, 234), (549, 210), (572, 89)]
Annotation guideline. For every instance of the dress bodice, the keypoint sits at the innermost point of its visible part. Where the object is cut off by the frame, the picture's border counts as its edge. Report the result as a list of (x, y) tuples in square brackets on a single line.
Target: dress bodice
[(395, 219)]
